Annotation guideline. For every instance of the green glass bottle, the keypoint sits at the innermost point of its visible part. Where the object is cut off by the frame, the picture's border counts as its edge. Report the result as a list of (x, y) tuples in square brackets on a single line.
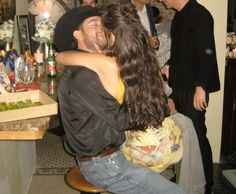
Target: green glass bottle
[(51, 63)]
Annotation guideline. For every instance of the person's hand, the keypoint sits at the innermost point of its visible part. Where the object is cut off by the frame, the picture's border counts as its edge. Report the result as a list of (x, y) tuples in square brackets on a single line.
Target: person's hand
[(199, 99), (154, 41), (165, 71), (98, 50), (154, 3), (58, 57)]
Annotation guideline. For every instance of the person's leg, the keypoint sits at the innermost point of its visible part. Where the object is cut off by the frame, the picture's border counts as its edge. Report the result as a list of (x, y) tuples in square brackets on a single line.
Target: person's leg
[(184, 104), (117, 175)]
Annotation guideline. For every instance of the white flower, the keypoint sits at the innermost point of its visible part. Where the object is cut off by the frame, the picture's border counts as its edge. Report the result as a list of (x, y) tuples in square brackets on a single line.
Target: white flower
[(231, 39), (7, 31), (44, 32)]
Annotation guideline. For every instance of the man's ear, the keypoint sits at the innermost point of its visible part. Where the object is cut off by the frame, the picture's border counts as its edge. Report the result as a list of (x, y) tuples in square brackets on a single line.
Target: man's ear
[(77, 35)]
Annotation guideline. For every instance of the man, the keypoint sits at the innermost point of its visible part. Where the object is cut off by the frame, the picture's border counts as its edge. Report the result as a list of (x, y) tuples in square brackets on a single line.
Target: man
[(93, 120), (193, 72), (92, 3), (146, 16)]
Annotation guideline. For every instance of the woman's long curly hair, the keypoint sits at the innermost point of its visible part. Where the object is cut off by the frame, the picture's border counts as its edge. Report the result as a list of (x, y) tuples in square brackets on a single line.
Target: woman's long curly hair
[(139, 71)]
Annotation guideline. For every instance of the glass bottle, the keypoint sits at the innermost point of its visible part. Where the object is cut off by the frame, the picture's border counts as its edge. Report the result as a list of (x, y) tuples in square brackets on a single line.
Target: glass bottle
[(38, 57), (51, 63), (18, 63), (52, 87)]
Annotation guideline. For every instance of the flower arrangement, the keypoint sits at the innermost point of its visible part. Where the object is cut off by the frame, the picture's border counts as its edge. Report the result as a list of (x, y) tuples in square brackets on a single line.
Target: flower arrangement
[(7, 32), (231, 44), (231, 40), (44, 32)]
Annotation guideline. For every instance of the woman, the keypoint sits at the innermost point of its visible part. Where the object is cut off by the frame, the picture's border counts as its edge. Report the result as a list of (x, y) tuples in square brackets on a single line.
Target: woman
[(128, 70)]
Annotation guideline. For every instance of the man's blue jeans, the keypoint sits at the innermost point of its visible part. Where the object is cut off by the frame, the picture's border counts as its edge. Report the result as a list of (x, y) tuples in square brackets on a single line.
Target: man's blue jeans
[(116, 174)]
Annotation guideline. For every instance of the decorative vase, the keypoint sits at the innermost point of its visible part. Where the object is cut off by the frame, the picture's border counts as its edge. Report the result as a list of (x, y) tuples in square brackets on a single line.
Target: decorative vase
[(46, 50)]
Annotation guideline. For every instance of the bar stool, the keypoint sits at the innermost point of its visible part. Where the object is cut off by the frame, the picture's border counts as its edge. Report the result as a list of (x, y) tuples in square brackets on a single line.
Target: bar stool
[(76, 180)]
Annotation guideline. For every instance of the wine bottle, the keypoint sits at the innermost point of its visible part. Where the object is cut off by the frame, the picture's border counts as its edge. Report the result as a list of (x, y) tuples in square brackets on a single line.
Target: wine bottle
[(51, 63)]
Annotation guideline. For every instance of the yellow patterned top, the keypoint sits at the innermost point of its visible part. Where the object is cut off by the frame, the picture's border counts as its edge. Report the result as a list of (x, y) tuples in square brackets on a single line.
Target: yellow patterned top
[(155, 148)]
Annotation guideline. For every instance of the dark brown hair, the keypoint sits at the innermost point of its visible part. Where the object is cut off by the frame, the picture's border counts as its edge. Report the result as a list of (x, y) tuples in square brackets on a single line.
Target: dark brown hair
[(144, 92)]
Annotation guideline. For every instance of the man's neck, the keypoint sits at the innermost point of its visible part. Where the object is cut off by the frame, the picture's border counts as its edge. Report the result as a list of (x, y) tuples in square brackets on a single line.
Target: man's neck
[(181, 4), (84, 48), (139, 6)]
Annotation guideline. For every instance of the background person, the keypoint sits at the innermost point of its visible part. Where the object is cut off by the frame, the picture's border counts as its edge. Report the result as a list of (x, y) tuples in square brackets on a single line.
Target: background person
[(146, 16), (162, 26), (192, 68)]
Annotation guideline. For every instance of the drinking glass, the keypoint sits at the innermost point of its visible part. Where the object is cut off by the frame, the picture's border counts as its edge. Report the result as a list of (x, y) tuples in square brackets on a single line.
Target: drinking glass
[(26, 74)]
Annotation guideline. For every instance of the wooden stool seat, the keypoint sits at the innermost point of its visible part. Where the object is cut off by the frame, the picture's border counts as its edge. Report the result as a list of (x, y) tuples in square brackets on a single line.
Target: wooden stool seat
[(76, 180)]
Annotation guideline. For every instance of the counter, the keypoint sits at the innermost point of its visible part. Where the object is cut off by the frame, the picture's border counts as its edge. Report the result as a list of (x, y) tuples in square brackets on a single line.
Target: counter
[(18, 150), (34, 128)]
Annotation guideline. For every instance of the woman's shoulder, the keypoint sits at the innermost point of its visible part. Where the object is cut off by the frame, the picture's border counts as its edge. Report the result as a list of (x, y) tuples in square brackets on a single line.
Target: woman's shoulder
[(103, 60), (106, 64)]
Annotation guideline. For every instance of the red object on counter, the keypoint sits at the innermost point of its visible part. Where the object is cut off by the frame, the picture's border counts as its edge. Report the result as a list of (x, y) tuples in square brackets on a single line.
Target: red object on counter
[(11, 76), (31, 86), (21, 86)]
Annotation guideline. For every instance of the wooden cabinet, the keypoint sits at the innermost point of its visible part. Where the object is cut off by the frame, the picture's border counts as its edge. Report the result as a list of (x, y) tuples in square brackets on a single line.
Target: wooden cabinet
[(229, 108)]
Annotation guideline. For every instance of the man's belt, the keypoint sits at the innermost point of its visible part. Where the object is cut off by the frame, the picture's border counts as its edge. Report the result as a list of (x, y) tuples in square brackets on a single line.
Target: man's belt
[(105, 152)]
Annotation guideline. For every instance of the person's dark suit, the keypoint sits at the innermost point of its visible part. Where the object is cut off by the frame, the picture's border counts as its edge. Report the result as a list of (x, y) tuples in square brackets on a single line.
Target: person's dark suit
[(151, 20)]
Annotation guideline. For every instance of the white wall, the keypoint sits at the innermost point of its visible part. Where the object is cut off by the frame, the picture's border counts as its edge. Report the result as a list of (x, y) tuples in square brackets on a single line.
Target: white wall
[(218, 9), (21, 7)]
